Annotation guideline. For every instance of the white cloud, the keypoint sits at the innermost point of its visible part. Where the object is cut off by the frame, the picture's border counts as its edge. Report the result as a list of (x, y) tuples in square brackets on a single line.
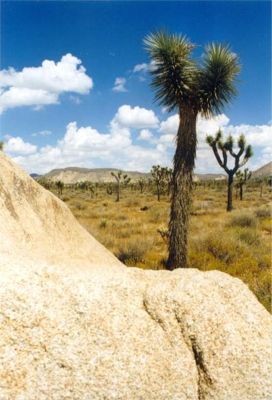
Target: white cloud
[(145, 134), (17, 97), (256, 135), (136, 117), (38, 86), (170, 125), (120, 85), (87, 147), (42, 133), (16, 146), (145, 67)]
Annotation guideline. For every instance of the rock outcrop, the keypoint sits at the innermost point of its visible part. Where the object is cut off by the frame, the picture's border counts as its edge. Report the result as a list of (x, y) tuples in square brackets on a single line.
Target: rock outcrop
[(76, 324)]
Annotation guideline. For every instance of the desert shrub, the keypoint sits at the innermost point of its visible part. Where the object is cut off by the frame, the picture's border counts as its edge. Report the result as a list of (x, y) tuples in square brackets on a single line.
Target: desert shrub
[(249, 236), (132, 251), (121, 217), (65, 198), (132, 203), (243, 220), (144, 208), (266, 225), (103, 224), (222, 248), (264, 262), (157, 216), (263, 212), (80, 206), (263, 289)]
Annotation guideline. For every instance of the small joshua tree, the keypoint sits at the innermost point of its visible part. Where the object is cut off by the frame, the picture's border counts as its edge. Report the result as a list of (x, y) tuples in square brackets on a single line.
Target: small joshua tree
[(59, 186), (242, 178), (158, 175), (226, 148), (120, 178), (141, 183)]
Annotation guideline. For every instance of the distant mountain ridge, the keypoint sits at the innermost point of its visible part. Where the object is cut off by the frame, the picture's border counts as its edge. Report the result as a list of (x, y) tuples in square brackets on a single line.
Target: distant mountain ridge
[(78, 174), (264, 171)]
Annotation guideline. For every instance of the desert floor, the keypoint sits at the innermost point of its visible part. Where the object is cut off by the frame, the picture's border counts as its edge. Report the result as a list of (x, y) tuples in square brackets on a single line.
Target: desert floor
[(238, 243)]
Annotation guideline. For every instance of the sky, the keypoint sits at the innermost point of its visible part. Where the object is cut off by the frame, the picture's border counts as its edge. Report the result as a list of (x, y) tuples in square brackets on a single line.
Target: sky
[(75, 81)]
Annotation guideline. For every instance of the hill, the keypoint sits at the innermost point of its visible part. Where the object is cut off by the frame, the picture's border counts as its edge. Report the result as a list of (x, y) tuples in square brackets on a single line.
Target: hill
[(263, 172), (76, 174)]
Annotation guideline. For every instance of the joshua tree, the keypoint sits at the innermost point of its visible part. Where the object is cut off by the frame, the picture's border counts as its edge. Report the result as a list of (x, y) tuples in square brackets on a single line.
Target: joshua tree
[(158, 175), (46, 183), (227, 148), (87, 185), (242, 178), (120, 178), (190, 87), (59, 186), (141, 183), (109, 189), (1, 146)]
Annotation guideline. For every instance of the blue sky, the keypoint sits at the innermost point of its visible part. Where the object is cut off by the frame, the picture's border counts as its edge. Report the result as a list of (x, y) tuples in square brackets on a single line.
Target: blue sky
[(71, 116)]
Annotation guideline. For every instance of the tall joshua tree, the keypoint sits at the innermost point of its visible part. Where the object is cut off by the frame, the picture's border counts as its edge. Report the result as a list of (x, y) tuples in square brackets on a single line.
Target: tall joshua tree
[(242, 178), (120, 178), (190, 87), (226, 148), (1, 146)]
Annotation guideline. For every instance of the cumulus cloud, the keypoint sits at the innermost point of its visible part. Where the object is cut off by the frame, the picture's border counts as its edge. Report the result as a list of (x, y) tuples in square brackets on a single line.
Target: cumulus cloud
[(85, 146), (136, 117), (39, 86), (145, 134), (120, 85), (17, 146), (145, 67)]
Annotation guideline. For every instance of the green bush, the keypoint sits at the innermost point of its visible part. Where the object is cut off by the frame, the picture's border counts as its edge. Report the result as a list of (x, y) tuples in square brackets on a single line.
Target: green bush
[(249, 236), (103, 224)]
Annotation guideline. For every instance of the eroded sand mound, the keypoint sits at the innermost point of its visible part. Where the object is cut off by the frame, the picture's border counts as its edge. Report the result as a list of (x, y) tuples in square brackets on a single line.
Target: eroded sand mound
[(76, 324)]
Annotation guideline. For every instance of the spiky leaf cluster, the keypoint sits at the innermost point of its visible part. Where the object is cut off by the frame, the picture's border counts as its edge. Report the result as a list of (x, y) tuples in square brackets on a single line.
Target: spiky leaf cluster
[(219, 146), (120, 177), (180, 81), (243, 176)]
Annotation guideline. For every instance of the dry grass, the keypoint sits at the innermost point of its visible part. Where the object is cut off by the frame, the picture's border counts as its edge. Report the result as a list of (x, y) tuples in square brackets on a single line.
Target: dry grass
[(238, 243)]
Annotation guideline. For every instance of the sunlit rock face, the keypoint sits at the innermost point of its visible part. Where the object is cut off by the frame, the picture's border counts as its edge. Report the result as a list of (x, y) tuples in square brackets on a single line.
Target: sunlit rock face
[(77, 324)]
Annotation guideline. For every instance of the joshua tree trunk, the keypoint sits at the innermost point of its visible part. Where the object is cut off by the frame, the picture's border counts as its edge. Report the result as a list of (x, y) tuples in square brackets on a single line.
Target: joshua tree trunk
[(118, 191), (184, 161), (261, 191), (241, 192), (158, 192), (230, 187)]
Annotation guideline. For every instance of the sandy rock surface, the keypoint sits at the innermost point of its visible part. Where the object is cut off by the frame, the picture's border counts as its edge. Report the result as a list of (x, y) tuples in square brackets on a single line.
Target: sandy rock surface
[(76, 324)]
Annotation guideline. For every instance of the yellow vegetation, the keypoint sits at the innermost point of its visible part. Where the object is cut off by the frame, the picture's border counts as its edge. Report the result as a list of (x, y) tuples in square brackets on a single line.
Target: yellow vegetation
[(238, 243)]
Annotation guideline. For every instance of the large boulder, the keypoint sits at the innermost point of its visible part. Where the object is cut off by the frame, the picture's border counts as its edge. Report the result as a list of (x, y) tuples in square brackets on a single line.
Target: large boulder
[(76, 324)]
